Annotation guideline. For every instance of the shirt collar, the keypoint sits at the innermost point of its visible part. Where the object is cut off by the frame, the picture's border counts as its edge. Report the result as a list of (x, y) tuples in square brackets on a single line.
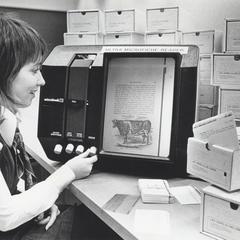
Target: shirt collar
[(8, 126)]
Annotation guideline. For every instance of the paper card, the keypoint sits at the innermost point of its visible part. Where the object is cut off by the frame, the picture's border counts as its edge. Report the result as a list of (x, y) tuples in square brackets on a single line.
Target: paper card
[(218, 130), (121, 203), (152, 223), (186, 194)]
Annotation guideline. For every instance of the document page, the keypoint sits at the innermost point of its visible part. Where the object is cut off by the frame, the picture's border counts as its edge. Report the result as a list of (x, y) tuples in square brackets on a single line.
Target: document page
[(134, 104)]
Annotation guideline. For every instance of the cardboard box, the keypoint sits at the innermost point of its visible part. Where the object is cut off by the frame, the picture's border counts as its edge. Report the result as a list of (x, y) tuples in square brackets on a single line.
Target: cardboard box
[(208, 41), (232, 35), (123, 38), (229, 100), (206, 111), (84, 21), (164, 37), (225, 69), (220, 213), (83, 39), (208, 94), (217, 165), (159, 19), (205, 69), (129, 20)]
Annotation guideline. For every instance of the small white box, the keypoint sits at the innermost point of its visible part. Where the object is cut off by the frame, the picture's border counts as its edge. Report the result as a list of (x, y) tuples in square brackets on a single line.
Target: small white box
[(232, 35), (225, 69), (123, 38), (205, 66), (159, 19), (83, 39), (220, 213), (129, 20), (208, 41), (217, 165), (164, 37), (229, 100), (208, 94), (84, 21)]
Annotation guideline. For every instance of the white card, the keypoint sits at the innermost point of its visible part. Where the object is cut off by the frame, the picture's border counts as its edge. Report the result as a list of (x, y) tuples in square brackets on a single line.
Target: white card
[(218, 130)]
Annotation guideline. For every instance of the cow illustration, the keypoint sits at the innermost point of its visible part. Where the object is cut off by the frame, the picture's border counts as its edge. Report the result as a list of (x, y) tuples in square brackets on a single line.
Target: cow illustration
[(134, 127)]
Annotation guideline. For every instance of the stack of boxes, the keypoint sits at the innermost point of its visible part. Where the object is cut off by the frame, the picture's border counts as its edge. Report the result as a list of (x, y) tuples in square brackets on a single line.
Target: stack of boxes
[(123, 27), (219, 165), (162, 26), (84, 27), (110, 27), (209, 42), (226, 70)]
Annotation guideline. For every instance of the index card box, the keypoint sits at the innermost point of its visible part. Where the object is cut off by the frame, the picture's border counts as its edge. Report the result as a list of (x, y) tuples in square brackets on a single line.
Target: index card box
[(83, 39), (163, 37), (159, 19), (232, 35), (84, 21), (123, 38), (220, 213), (225, 70), (217, 165), (208, 94), (206, 111), (207, 41), (205, 66), (129, 20)]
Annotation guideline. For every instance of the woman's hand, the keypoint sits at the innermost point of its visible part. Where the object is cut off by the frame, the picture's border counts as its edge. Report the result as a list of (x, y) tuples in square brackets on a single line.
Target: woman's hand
[(82, 164), (42, 219)]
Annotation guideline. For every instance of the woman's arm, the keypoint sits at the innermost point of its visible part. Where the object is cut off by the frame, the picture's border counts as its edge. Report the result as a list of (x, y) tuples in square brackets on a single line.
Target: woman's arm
[(18, 209)]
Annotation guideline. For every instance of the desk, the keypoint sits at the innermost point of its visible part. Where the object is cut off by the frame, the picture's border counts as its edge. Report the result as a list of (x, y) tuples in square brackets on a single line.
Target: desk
[(98, 188)]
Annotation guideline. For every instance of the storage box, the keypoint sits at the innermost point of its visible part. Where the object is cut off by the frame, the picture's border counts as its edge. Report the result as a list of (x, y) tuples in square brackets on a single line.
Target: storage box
[(208, 41), (164, 37), (129, 20), (208, 94), (205, 66), (229, 100), (232, 35), (217, 165), (225, 69), (123, 38), (83, 39), (84, 21), (220, 213), (159, 19), (206, 111)]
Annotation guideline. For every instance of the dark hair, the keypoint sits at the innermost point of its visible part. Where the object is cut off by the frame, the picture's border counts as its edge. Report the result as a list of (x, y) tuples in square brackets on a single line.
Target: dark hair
[(19, 44)]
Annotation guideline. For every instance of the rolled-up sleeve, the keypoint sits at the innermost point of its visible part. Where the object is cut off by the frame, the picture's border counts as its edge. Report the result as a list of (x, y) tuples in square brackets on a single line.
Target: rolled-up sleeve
[(20, 208)]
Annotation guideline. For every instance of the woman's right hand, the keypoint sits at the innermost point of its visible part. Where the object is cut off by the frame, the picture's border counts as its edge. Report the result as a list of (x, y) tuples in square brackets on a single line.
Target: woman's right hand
[(82, 164)]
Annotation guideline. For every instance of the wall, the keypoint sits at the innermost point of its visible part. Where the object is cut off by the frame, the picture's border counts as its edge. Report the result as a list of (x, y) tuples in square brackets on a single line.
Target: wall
[(58, 5)]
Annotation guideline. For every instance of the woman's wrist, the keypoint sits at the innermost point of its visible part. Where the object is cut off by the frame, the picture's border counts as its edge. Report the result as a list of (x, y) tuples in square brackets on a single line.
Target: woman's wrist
[(62, 177)]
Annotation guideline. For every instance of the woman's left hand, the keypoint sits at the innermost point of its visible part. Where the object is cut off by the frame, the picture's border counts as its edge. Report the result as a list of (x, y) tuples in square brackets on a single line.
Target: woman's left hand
[(50, 219)]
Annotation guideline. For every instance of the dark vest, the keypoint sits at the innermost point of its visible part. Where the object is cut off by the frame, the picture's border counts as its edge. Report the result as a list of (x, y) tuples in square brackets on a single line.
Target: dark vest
[(8, 166)]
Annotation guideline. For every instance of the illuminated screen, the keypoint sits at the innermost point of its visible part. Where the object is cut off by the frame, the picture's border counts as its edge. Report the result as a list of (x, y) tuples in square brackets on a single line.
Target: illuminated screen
[(139, 106)]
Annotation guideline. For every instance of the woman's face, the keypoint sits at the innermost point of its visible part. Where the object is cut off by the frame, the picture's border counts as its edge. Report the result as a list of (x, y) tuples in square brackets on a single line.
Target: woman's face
[(25, 85)]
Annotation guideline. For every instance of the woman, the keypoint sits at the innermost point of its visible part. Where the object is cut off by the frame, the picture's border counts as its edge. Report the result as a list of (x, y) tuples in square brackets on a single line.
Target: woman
[(25, 208)]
